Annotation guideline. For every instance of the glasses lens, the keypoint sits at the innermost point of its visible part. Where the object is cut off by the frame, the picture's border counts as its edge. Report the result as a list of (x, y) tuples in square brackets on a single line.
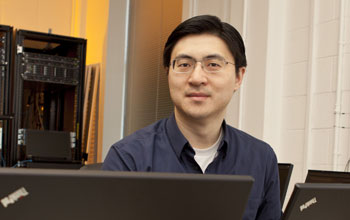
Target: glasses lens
[(213, 64), (183, 65)]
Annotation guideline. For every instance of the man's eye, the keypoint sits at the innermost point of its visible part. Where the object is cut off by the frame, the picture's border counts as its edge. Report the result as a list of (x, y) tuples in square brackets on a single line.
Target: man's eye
[(214, 65), (184, 65)]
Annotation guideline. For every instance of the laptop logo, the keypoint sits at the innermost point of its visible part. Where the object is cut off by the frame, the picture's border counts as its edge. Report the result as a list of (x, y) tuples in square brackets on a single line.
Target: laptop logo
[(14, 197), (308, 204)]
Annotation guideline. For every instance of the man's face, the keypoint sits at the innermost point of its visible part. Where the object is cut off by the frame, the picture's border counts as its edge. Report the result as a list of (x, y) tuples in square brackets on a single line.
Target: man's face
[(202, 94)]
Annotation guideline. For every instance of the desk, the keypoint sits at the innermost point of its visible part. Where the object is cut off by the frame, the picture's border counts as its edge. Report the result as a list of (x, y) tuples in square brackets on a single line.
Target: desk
[(46, 165)]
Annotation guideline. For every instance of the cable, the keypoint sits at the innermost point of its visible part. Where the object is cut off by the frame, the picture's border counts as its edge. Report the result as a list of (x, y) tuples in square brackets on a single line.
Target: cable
[(3, 162), (21, 163)]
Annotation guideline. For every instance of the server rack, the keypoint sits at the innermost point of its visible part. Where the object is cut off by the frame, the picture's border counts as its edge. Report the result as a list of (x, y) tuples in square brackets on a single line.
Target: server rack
[(5, 87), (47, 97)]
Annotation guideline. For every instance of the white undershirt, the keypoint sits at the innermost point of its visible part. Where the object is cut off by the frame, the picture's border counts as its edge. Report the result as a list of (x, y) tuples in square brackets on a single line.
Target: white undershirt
[(204, 157)]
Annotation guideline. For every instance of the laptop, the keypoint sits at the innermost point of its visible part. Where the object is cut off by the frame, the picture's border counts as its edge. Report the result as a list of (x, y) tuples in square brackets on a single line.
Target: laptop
[(322, 176), (285, 172), (321, 201), (84, 194)]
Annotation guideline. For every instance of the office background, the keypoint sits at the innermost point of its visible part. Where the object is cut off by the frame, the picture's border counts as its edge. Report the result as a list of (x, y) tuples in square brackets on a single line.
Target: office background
[(296, 92)]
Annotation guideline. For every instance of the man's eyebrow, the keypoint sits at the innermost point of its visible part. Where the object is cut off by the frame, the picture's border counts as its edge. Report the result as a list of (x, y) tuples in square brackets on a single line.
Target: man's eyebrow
[(215, 55), (210, 56), (183, 56)]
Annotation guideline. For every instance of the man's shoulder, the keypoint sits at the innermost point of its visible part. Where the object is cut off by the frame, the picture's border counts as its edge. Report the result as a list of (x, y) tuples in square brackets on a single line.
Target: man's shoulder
[(246, 140), (143, 136)]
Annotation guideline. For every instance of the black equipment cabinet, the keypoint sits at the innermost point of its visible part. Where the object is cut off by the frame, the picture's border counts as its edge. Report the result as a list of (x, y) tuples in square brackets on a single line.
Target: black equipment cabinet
[(47, 97), (5, 88)]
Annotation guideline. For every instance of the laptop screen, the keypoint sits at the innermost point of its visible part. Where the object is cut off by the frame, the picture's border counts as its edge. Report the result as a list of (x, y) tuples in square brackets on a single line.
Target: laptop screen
[(90, 195)]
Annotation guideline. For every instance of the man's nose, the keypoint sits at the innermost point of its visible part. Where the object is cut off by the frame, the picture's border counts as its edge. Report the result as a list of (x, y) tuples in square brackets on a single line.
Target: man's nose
[(198, 75)]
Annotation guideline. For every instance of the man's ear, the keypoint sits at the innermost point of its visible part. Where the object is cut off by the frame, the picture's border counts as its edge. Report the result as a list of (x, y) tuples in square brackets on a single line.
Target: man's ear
[(239, 77)]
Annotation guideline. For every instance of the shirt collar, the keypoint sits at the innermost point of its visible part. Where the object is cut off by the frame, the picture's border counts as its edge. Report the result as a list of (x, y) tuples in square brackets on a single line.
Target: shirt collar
[(178, 141), (225, 140), (176, 138)]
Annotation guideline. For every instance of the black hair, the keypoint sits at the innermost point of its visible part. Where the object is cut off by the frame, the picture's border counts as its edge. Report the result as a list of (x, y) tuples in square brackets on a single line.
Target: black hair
[(208, 24)]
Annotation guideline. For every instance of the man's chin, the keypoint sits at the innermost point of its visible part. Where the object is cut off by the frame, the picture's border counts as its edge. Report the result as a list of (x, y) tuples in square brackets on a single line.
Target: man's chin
[(197, 115)]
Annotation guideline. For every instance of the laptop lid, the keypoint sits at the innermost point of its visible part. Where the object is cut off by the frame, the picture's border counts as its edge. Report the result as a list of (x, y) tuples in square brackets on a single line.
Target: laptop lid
[(285, 172), (319, 201), (322, 176), (77, 194)]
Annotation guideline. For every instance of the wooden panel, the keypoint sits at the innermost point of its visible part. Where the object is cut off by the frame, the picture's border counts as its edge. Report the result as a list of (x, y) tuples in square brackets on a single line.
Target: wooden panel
[(91, 111)]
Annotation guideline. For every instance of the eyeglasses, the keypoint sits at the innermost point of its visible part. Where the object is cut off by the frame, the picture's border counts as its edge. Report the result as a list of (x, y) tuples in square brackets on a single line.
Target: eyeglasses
[(209, 64)]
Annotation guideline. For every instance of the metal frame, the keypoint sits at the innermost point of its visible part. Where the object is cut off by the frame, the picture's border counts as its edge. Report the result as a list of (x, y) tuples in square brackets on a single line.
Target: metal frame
[(20, 36), (6, 117)]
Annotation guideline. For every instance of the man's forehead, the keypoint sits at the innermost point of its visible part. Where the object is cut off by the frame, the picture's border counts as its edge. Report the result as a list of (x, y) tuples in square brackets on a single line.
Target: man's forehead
[(213, 55), (200, 46)]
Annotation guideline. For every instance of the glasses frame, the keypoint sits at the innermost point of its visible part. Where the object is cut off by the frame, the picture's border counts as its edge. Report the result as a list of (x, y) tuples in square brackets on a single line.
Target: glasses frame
[(201, 61)]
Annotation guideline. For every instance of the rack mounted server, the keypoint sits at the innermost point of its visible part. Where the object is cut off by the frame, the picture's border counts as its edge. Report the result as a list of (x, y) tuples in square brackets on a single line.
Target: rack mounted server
[(47, 97)]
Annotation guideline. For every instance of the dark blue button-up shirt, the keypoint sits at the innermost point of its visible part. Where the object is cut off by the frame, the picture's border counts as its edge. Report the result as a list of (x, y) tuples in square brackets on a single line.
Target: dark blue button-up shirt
[(161, 147)]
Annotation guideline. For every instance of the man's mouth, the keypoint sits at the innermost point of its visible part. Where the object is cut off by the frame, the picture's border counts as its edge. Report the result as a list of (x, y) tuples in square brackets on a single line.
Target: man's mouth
[(197, 96)]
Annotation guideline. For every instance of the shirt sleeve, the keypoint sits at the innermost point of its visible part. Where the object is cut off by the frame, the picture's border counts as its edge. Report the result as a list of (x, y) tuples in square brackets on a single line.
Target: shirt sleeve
[(118, 161), (270, 209)]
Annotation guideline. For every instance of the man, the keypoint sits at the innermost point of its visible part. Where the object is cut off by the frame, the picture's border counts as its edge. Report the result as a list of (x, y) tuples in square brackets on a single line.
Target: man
[(205, 60)]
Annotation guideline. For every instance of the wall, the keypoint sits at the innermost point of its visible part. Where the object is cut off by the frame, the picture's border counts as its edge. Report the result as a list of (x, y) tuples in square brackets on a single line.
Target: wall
[(37, 15), (136, 84), (115, 81), (95, 26), (147, 97), (315, 95)]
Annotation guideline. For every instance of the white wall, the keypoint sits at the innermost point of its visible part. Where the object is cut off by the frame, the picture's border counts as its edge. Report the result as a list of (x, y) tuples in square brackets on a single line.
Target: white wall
[(311, 137)]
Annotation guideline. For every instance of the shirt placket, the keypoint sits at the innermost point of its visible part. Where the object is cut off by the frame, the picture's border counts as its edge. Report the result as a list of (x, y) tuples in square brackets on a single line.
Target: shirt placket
[(188, 160)]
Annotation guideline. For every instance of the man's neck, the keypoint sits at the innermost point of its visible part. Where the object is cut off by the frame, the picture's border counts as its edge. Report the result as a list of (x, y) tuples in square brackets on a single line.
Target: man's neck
[(200, 133)]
